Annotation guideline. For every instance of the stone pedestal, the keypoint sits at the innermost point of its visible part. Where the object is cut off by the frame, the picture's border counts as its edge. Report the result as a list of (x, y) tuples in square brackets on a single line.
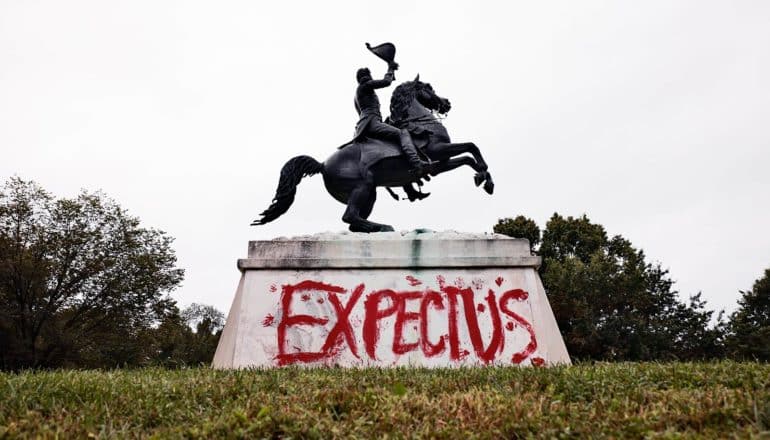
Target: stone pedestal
[(387, 299)]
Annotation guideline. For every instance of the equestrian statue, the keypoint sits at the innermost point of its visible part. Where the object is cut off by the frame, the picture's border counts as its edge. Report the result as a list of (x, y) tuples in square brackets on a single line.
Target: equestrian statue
[(409, 146)]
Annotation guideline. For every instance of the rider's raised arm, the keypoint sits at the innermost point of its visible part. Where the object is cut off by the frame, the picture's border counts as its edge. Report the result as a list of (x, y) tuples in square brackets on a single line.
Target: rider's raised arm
[(380, 83)]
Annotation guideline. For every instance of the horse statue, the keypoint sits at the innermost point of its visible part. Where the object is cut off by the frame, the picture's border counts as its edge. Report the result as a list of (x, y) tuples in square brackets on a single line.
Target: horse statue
[(353, 173)]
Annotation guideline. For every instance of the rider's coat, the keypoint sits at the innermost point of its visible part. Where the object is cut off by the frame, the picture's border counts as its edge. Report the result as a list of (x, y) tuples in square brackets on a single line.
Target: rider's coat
[(368, 104)]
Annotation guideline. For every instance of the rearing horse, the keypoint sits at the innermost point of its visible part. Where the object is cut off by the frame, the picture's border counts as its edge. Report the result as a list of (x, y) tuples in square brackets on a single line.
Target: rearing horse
[(353, 173)]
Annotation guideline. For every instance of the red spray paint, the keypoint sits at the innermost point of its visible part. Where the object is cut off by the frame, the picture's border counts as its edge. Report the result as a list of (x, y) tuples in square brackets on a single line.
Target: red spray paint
[(383, 304), (519, 295)]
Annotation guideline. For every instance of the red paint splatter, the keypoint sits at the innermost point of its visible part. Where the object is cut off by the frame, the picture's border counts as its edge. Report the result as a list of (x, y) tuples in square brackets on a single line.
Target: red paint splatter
[(305, 297), (463, 354), (268, 321), (537, 361), (441, 281), (477, 283), (481, 307), (413, 281), (320, 300), (509, 326), (273, 288), (460, 282), (499, 281)]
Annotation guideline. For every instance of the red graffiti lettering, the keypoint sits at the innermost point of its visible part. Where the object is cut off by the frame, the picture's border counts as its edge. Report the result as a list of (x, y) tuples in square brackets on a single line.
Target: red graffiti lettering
[(454, 337), (428, 348), (496, 343), (402, 317), (374, 315), (288, 319), (519, 295), (342, 327), (384, 304)]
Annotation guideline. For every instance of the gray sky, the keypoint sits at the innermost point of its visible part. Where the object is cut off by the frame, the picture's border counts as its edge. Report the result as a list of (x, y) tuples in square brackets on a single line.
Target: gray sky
[(651, 117)]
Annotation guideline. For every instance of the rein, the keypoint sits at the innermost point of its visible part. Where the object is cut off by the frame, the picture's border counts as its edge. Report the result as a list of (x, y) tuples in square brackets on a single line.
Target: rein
[(433, 119)]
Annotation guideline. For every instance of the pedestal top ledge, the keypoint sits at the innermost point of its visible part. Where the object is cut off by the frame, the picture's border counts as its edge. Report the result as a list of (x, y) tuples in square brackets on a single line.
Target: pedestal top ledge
[(389, 250)]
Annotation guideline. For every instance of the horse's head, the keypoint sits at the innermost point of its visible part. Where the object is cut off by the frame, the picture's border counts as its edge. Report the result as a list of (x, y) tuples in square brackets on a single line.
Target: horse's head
[(408, 92), (429, 99)]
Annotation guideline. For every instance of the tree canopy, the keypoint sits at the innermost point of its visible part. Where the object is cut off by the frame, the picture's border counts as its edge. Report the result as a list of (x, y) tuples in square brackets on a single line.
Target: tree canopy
[(75, 274), (749, 327), (609, 302)]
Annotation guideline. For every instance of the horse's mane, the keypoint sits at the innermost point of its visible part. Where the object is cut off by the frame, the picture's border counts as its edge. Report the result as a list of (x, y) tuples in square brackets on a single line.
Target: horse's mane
[(402, 99)]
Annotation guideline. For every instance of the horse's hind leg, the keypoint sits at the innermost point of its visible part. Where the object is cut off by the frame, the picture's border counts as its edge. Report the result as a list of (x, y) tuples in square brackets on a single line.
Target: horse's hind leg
[(360, 206)]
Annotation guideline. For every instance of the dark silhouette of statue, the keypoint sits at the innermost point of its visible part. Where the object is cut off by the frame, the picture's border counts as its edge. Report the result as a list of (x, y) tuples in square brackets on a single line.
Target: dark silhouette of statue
[(386, 155)]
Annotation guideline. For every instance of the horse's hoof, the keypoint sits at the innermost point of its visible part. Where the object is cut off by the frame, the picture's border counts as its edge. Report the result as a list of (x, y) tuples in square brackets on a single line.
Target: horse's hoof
[(478, 179), (489, 187), (386, 228)]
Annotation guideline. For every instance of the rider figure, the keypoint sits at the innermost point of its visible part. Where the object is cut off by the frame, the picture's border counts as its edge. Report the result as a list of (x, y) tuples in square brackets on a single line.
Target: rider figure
[(370, 122)]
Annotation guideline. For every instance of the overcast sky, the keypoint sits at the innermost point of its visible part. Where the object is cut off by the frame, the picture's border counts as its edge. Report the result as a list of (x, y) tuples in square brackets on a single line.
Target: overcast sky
[(653, 118)]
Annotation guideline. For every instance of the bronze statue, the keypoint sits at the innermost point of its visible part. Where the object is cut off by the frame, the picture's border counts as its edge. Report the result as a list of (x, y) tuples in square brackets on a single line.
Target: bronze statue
[(385, 155)]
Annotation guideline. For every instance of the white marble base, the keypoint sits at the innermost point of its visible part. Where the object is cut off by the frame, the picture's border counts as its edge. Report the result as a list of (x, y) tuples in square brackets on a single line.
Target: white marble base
[(419, 299)]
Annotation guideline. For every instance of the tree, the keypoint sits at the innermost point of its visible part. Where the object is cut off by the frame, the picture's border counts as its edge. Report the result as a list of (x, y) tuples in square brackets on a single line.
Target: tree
[(76, 274), (208, 323), (519, 227), (749, 326), (609, 302), (175, 342)]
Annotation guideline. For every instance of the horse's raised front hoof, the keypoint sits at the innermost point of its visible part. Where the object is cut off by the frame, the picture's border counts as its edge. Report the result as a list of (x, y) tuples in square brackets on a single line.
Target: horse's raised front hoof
[(479, 178), (489, 186)]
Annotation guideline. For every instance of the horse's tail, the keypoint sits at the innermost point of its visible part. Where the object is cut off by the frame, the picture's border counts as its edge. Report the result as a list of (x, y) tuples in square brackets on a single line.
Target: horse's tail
[(291, 173)]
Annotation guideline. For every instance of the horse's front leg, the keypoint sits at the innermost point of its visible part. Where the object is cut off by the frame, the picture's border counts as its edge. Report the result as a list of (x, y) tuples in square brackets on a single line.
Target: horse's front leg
[(443, 166), (442, 151)]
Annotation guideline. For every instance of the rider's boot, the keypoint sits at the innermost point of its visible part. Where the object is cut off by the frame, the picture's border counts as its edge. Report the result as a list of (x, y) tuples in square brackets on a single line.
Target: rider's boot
[(414, 194), (419, 166)]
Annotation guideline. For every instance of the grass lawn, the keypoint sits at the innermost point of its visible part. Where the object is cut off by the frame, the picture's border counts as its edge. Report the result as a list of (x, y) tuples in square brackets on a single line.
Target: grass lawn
[(670, 400)]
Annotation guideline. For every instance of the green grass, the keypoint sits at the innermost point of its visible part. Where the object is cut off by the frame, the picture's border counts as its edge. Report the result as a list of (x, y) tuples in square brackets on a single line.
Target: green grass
[(672, 400)]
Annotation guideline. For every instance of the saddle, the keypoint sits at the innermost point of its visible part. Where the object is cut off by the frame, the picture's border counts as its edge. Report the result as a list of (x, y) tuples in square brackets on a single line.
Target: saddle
[(374, 150)]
